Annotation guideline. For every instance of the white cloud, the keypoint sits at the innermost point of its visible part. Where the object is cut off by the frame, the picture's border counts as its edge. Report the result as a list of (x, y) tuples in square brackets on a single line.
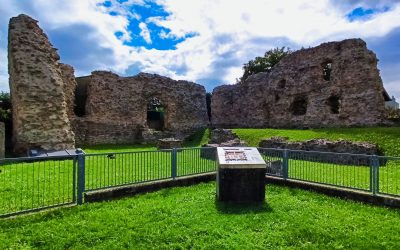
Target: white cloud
[(145, 33), (226, 30)]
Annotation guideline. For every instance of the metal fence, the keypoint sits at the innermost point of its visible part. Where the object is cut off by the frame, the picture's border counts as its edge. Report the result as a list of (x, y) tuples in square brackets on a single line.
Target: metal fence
[(34, 183), (29, 184), (375, 174)]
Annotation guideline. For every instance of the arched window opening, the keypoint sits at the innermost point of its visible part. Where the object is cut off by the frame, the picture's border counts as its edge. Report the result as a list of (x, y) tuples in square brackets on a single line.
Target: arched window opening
[(327, 70), (334, 104), (299, 105), (155, 114)]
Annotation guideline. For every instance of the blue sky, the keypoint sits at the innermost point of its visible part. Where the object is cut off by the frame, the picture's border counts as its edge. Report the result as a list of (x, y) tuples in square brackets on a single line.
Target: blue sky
[(205, 41)]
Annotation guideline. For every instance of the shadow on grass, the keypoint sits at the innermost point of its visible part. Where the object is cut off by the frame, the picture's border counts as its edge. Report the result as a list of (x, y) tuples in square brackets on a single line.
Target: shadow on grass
[(232, 208), (198, 138)]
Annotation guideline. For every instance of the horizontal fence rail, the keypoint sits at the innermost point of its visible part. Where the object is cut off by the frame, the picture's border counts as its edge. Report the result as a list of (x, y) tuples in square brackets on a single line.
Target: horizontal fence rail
[(34, 183)]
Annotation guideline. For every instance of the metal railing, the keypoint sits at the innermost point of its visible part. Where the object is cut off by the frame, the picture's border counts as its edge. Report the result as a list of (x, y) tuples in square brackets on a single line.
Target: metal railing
[(375, 174), (34, 183), (29, 184)]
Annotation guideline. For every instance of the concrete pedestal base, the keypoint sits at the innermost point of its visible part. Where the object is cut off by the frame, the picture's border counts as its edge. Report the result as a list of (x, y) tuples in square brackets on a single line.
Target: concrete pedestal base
[(241, 185)]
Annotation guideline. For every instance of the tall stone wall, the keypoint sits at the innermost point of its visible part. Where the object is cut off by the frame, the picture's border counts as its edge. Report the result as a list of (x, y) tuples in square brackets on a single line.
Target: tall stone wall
[(296, 93), (116, 108), (39, 103)]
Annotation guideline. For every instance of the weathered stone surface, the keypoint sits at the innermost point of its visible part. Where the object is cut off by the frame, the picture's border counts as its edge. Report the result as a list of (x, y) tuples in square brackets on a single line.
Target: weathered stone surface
[(68, 76), (222, 135), (37, 87), (295, 93), (339, 146), (220, 138), (116, 108), (323, 145), (169, 143)]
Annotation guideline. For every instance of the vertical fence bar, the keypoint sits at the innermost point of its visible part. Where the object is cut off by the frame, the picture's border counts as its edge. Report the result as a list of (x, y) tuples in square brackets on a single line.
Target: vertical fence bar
[(81, 175), (74, 181), (285, 163), (371, 174), (173, 163)]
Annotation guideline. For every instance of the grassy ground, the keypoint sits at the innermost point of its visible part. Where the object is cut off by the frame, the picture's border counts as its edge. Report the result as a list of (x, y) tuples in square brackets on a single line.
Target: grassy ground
[(182, 218), (38, 184), (387, 138)]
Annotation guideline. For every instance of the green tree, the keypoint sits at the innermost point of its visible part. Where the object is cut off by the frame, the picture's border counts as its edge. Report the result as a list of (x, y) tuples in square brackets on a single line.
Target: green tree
[(5, 107), (264, 63)]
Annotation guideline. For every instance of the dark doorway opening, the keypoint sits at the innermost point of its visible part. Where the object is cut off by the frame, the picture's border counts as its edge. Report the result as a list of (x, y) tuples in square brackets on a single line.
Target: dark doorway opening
[(299, 105), (81, 96), (155, 114), (334, 104)]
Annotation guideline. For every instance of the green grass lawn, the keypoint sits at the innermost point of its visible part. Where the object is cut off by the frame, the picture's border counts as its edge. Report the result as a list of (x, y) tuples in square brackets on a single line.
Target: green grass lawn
[(39, 184), (189, 217), (387, 138)]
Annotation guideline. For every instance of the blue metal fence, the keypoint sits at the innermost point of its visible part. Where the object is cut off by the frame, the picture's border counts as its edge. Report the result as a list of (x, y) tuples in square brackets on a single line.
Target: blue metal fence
[(29, 184), (371, 173), (34, 183)]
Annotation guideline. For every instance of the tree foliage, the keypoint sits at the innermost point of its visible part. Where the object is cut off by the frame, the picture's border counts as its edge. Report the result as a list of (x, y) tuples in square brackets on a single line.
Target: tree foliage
[(5, 107), (264, 63)]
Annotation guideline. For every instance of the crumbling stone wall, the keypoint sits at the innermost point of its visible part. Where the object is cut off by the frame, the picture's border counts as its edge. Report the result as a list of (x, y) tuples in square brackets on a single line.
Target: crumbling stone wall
[(39, 103), (116, 108), (68, 76), (297, 92)]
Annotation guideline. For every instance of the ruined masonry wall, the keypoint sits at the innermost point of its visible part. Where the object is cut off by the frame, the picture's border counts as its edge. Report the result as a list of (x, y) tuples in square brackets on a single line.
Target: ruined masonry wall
[(296, 95), (116, 108), (37, 88)]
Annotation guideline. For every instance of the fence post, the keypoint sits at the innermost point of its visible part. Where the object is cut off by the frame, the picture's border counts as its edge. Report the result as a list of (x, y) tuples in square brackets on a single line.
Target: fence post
[(173, 163), (81, 175), (374, 176), (285, 164), (377, 166)]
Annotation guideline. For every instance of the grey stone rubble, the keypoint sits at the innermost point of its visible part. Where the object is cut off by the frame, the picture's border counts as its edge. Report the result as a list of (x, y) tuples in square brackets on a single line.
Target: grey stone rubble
[(323, 145), (221, 138), (169, 143)]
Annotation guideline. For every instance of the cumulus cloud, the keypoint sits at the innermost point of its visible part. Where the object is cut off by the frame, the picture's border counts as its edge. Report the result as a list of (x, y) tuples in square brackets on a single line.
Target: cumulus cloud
[(217, 36), (145, 33)]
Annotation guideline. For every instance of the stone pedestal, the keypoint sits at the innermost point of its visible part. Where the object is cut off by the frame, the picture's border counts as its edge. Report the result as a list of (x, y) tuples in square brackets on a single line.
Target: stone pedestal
[(241, 175)]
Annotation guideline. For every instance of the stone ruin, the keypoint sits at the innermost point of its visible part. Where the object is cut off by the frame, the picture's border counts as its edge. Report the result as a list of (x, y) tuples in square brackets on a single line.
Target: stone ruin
[(114, 109), (53, 110), (37, 86), (332, 85), (359, 150)]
